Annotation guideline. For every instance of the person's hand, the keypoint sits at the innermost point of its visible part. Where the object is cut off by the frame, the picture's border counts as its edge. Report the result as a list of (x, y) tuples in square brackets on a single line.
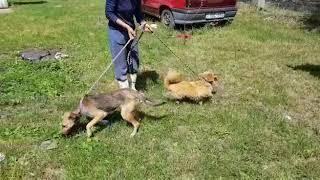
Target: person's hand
[(131, 32), (145, 27)]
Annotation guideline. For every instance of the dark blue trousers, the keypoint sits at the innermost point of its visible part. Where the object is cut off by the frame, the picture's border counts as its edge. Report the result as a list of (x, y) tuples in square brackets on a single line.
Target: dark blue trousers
[(126, 63)]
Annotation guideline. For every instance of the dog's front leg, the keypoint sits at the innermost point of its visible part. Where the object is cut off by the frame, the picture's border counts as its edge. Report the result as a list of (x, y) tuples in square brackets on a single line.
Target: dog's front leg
[(98, 116)]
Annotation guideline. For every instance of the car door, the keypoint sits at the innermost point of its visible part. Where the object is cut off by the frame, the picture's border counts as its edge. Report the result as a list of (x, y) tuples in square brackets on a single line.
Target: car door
[(151, 7), (220, 3), (210, 3)]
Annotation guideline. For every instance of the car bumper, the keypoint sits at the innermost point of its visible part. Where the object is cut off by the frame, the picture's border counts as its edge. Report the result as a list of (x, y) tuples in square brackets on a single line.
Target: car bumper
[(190, 16)]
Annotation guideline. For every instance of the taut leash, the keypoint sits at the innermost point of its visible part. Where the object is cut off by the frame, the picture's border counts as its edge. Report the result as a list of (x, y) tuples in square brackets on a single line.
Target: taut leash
[(179, 58), (135, 41), (109, 66)]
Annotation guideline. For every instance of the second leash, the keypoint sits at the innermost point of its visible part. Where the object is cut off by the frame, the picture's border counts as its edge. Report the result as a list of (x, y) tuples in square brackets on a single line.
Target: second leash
[(109, 66), (134, 43), (179, 58)]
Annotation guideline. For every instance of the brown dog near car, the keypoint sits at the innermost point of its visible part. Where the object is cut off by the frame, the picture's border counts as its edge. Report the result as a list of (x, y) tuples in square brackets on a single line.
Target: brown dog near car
[(179, 89), (99, 106)]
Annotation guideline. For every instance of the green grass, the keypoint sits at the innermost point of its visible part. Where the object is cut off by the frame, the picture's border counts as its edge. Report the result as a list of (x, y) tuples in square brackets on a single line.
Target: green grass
[(243, 133)]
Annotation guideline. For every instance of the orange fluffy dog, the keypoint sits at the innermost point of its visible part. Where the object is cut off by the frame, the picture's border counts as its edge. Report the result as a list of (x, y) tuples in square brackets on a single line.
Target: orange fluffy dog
[(179, 89)]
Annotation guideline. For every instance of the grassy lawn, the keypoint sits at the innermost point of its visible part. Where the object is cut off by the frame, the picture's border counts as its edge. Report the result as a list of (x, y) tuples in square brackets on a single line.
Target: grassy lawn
[(263, 123)]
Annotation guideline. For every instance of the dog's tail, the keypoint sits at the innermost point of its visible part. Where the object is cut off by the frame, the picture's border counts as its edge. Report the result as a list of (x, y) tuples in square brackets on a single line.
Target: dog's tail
[(172, 77), (153, 102), (143, 98)]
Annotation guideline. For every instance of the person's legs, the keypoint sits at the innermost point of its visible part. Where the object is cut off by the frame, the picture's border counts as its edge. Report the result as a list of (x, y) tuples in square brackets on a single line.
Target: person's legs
[(133, 64), (117, 40)]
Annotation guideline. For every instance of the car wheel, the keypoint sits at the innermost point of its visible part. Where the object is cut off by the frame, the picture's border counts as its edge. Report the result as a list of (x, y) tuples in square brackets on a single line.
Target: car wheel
[(167, 18)]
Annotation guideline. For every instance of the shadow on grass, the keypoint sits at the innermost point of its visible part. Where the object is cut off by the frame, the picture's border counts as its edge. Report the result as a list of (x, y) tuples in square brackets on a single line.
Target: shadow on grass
[(27, 2), (113, 118), (143, 115), (188, 100), (190, 27), (81, 126), (314, 70), (312, 22), (144, 76)]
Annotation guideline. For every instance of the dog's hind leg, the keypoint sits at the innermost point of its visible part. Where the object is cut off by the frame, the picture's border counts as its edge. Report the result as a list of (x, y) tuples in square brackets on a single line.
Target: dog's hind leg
[(128, 114), (98, 116)]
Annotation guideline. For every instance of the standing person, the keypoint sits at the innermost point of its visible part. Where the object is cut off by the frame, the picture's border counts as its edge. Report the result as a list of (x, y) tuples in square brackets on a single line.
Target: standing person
[(121, 28)]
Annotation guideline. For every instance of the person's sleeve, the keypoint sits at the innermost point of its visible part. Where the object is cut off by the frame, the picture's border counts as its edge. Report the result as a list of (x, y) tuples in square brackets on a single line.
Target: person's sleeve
[(138, 13), (110, 10)]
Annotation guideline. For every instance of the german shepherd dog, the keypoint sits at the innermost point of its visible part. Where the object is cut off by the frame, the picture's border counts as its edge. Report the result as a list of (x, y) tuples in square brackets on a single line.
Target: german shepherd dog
[(99, 106)]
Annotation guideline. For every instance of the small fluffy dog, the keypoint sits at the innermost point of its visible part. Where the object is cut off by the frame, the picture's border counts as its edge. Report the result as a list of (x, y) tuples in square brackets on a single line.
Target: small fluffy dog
[(99, 106), (179, 89)]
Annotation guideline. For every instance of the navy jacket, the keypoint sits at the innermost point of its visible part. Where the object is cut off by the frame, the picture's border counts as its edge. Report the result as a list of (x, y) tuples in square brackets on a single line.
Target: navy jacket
[(124, 10)]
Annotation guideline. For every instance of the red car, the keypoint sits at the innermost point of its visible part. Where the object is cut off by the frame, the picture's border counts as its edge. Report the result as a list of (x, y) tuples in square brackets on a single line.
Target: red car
[(174, 12)]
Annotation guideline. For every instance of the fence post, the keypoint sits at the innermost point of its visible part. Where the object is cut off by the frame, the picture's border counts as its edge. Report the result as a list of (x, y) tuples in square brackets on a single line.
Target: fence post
[(3, 4)]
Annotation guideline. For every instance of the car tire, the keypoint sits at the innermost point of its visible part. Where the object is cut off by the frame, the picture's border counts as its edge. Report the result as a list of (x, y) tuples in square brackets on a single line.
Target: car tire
[(167, 18)]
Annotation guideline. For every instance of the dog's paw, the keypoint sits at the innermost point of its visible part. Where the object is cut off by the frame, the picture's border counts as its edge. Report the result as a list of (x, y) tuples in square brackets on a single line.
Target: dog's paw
[(132, 135), (89, 134)]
